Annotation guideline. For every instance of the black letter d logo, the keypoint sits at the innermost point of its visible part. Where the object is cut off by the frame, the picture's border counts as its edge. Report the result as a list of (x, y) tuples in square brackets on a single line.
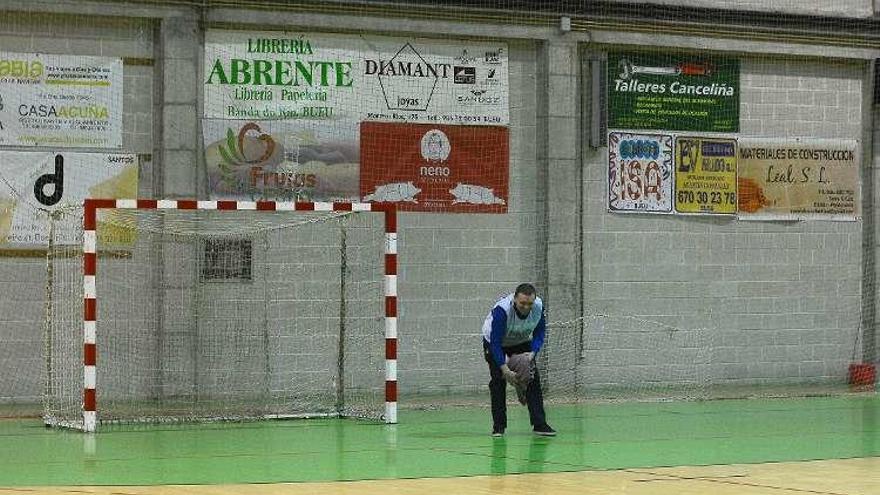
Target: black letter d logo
[(56, 179)]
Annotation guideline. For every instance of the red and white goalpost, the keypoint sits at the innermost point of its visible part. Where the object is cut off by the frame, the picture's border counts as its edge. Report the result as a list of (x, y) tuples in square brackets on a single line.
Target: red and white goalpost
[(92, 332)]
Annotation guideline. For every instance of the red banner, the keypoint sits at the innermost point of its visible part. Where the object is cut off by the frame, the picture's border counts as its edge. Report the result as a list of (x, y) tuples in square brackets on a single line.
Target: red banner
[(442, 168)]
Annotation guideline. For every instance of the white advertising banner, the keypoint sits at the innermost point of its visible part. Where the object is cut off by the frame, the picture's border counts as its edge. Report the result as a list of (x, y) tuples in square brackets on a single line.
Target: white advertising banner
[(317, 76), (799, 179), (60, 101), (33, 184), (640, 172)]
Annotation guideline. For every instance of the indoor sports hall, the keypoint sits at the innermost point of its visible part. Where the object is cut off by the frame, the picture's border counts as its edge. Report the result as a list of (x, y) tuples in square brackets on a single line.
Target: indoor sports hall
[(416, 246)]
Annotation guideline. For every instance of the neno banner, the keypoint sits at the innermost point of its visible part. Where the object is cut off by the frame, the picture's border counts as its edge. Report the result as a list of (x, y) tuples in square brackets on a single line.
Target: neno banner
[(435, 168)]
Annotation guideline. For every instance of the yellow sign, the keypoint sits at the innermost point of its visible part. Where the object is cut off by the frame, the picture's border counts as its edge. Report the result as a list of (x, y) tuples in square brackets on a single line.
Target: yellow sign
[(37, 183), (705, 175)]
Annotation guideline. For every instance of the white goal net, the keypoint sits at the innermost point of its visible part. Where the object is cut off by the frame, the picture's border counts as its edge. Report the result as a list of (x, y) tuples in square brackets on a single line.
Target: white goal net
[(210, 315)]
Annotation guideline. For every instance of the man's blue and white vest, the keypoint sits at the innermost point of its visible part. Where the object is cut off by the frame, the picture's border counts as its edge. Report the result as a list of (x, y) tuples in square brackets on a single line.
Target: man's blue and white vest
[(519, 330)]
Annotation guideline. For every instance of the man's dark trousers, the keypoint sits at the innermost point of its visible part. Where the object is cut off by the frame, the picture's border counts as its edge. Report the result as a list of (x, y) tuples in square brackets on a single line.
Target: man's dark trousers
[(498, 389)]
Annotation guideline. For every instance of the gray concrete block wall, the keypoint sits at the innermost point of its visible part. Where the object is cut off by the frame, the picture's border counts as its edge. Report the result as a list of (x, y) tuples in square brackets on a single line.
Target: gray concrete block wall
[(874, 176), (177, 127), (22, 283), (129, 39), (454, 266), (559, 115), (776, 302)]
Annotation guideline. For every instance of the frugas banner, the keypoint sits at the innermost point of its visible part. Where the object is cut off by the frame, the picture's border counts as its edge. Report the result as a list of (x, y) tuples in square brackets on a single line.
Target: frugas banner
[(33, 184), (282, 160), (798, 179), (328, 77), (60, 100), (673, 93)]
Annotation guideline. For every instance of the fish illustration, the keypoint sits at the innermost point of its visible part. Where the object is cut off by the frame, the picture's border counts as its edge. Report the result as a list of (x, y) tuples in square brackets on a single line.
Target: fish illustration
[(478, 195), (396, 191)]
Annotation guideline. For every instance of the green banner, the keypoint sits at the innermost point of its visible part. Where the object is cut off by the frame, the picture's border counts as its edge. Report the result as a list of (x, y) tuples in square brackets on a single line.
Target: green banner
[(673, 92)]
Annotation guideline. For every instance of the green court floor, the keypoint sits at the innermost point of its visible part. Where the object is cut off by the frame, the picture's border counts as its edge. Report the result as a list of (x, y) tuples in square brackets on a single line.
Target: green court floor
[(452, 442)]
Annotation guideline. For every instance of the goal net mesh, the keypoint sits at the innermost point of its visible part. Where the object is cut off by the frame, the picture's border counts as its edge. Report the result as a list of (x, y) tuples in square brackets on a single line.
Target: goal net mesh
[(212, 315)]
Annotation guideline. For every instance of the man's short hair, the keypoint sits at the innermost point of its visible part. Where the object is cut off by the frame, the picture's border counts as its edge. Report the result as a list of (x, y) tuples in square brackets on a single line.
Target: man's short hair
[(524, 289)]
